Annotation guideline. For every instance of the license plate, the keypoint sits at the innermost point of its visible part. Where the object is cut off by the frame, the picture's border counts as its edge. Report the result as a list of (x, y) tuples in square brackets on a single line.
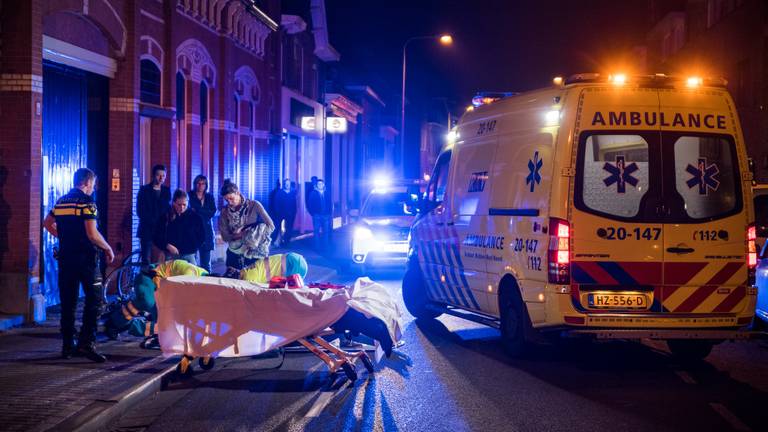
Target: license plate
[(618, 301), (395, 247)]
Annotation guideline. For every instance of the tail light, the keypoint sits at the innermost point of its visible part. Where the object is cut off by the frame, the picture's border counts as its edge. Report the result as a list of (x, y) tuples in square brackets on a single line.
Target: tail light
[(751, 253), (559, 254)]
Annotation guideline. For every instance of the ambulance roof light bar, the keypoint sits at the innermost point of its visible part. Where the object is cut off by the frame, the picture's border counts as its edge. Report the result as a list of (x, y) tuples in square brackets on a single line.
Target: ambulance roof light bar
[(658, 79), (485, 98)]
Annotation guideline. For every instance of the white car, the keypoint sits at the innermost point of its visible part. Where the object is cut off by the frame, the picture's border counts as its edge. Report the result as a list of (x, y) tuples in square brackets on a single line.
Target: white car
[(381, 234), (760, 193)]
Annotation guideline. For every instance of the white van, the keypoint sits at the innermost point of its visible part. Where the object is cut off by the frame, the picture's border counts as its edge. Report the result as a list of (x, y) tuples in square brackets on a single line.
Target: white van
[(614, 207)]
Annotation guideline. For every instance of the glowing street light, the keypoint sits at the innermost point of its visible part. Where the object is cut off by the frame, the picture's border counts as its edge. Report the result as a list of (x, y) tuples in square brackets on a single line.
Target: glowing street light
[(445, 40)]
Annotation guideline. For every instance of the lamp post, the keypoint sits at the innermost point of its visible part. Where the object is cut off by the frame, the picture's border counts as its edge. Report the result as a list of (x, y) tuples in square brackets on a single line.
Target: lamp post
[(444, 39)]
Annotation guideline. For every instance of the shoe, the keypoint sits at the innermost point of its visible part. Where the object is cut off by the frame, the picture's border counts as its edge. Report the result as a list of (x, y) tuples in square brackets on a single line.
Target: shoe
[(67, 351), (150, 342), (89, 352)]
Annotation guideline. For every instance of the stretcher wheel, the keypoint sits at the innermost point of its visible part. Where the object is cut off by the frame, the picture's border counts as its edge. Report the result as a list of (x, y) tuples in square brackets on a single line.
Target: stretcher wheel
[(206, 363), (184, 368), (367, 362), (349, 371)]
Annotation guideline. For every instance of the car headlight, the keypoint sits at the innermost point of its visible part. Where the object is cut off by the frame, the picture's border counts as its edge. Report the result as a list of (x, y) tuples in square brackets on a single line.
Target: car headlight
[(362, 233)]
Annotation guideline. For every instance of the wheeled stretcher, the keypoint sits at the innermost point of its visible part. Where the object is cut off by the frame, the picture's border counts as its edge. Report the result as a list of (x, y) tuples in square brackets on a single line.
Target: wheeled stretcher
[(208, 317)]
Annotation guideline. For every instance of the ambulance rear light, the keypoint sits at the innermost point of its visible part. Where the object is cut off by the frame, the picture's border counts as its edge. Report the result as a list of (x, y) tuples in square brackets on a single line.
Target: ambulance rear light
[(559, 254), (751, 253)]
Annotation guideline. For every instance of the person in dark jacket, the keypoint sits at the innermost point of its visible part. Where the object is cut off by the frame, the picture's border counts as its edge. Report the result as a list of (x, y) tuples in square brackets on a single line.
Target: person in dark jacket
[(203, 203), (286, 204), (179, 232), (319, 206), (152, 202)]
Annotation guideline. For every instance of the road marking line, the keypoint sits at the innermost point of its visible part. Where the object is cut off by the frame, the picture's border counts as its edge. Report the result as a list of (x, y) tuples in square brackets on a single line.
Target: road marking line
[(730, 417), (320, 403), (685, 377)]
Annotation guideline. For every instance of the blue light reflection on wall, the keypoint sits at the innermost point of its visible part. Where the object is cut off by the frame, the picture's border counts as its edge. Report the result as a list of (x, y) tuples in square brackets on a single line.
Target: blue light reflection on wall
[(64, 150)]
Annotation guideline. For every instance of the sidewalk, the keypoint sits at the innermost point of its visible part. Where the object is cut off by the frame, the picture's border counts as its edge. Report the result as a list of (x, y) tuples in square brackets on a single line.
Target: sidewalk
[(41, 392)]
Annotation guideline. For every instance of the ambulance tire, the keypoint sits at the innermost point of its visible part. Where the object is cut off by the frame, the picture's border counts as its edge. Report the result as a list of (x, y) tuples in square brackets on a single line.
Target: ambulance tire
[(415, 294), (514, 319), (690, 349)]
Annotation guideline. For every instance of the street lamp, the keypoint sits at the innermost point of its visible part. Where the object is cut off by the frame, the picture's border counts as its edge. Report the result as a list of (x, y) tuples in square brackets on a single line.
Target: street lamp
[(444, 39)]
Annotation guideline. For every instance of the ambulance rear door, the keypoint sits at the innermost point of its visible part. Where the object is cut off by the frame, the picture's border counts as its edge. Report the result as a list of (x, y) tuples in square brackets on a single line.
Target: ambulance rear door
[(705, 268), (616, 235)]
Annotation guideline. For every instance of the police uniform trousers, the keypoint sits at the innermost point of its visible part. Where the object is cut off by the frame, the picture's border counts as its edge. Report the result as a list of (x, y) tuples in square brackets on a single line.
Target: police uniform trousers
[(74, 271)]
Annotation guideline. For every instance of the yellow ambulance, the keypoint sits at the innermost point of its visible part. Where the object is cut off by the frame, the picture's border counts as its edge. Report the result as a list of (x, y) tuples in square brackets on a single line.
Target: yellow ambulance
[(604, 206)]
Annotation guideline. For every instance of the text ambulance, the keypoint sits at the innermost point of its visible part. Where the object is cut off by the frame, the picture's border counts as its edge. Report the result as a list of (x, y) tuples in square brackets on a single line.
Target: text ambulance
[(612, 207)]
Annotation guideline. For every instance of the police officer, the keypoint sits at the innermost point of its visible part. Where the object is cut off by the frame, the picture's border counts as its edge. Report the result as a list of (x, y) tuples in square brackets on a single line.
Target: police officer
[(73, 221)]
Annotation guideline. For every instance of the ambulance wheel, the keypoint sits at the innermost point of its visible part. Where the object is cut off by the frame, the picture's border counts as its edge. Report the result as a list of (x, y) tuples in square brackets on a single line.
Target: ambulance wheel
[(367, 363), (206, 363), (349, 371), (415, 294), (690, 349), (513, 320)]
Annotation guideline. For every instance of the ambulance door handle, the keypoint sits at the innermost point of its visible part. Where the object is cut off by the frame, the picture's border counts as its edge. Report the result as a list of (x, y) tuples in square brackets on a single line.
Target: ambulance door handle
[(680, 250)]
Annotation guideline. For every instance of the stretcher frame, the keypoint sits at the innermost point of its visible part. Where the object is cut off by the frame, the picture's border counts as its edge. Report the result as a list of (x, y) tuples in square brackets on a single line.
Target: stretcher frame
[(334, 358)]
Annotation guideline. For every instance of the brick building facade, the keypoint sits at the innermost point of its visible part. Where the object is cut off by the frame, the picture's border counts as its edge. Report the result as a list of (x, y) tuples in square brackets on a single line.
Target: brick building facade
[(119, 85), (719, 38)]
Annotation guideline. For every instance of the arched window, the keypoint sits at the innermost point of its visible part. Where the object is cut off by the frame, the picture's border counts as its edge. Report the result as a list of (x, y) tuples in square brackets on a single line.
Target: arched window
[(179, 95), (150, 82), (181, 130), (203, 103), (251, 116)]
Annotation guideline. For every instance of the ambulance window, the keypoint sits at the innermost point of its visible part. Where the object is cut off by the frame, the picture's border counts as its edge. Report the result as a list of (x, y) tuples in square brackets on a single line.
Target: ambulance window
[(614, 175), (439, 180), (705, 175)]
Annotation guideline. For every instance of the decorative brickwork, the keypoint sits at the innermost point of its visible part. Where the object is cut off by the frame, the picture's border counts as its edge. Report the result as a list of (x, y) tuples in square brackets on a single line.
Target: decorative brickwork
[(21, 82)]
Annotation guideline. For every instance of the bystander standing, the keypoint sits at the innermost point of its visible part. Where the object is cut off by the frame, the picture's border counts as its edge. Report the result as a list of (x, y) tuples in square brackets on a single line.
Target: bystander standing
[(319, 206), (239, 226), (152, 202), (203, 203)]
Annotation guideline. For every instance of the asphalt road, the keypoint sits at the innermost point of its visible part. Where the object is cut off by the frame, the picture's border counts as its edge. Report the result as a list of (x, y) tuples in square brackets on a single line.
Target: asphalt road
[(451, 375)]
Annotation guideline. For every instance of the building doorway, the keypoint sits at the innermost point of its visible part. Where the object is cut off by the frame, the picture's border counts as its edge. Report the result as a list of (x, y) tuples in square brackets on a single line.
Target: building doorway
[(74, 135)]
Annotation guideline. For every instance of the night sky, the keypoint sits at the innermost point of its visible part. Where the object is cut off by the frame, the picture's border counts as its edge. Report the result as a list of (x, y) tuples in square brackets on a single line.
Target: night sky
[(499, 45)]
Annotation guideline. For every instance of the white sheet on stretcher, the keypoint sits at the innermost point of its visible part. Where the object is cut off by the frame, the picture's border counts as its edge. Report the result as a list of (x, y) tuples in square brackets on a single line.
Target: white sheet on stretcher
[(206, 316)]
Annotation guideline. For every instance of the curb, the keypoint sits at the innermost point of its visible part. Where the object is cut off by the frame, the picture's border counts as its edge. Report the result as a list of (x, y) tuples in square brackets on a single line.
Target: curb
[(99, 414)]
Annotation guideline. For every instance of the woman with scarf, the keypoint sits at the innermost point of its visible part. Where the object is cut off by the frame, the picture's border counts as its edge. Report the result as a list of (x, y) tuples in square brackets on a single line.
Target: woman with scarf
[(245, 226)]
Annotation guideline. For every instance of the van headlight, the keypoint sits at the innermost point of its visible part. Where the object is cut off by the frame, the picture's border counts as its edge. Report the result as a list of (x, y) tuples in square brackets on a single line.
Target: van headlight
[(362, 233)]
